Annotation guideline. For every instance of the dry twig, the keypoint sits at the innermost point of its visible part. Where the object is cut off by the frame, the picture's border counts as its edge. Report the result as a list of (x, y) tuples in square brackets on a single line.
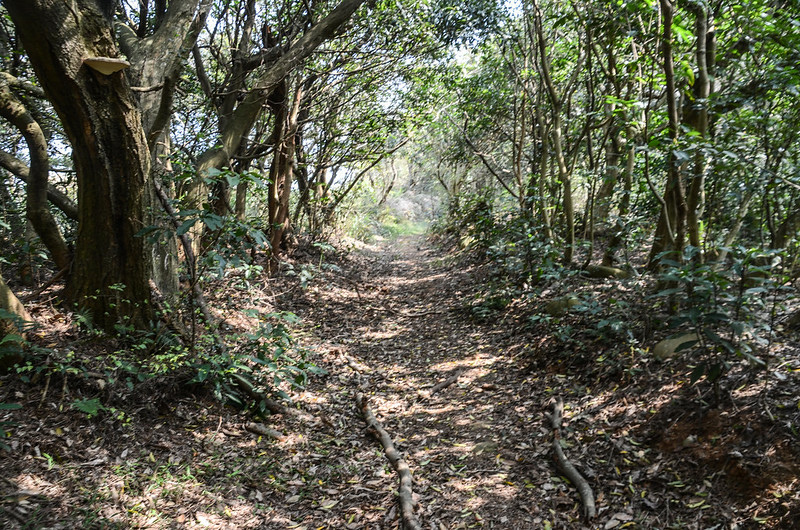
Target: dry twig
[(263, 430), (438, 387)]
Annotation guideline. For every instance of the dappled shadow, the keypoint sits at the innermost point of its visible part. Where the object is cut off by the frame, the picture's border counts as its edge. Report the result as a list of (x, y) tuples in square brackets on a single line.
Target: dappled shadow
[(392, 324)]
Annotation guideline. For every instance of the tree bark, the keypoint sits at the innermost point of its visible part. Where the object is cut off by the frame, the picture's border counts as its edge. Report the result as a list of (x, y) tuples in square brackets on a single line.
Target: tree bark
[(605, 192), (544, 164), (20, 170), (19, 322), (671, 229), (246, 113), (11, 304), (111, 271), (697, 119), (557, 103), (282, 170), (157, 60), (618, 238), (237, 123)]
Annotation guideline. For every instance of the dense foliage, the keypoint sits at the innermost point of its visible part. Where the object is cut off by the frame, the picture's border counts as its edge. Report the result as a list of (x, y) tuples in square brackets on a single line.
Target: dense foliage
[(643, 137)]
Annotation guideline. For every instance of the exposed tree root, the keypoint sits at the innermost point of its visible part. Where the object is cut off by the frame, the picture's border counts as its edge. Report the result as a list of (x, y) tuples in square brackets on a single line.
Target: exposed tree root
[(444, 384), (420, 314), (355, 365), (585, 491), (60, 274), (362, 369), (410, 521)]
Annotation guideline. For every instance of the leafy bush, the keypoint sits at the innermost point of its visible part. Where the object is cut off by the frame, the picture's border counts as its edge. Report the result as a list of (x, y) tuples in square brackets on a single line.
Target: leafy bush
[(728, 308), (264, 360)]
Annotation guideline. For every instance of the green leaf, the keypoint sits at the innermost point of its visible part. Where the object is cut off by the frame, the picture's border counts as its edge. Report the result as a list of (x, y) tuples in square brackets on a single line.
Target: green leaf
[(146, 230), (697, 373), (12, 337), (185, 226), (233, 179), (754, 360), (213, 221), (92, 407)]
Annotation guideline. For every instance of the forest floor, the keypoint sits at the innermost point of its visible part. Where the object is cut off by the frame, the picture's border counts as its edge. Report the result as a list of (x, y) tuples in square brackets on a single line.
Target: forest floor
[(463, 395)]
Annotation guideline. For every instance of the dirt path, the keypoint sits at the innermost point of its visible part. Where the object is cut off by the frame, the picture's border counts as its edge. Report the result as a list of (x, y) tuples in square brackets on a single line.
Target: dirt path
[(396, 321), (395, 328)]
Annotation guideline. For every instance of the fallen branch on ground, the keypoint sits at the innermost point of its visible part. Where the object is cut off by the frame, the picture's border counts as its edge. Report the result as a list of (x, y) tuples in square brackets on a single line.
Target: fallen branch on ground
[(420, 314), (355, 365), (247, 387), (585, 491), (263, 430), (361, 368), (60, 274), (410, 521), (438, 387)]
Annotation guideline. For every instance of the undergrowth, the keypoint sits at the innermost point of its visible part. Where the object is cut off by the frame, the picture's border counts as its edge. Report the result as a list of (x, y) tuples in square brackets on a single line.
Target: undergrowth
[(731, 307)]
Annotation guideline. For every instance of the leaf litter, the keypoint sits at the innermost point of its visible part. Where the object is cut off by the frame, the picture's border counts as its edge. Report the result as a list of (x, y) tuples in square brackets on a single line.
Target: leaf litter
[(394, 323)]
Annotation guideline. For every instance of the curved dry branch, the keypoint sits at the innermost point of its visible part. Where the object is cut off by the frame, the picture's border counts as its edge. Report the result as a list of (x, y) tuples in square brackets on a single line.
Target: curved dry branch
[(441, 385), (585, 491), (410, 521)]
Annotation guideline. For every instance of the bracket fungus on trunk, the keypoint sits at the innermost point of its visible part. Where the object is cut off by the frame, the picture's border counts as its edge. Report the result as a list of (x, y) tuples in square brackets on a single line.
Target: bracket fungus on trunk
[(106, 65)]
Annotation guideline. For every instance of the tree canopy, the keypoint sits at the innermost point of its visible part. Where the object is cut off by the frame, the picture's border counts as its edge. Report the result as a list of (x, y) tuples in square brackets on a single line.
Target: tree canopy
[(159, 155)]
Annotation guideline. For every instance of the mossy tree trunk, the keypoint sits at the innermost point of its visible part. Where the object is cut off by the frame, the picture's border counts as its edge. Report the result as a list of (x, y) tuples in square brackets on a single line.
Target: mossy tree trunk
[(111, 271)]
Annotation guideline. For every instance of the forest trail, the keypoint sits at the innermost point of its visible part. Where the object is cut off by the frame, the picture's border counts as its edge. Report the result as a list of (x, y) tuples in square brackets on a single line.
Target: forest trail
[(395, 322), (396, 327)]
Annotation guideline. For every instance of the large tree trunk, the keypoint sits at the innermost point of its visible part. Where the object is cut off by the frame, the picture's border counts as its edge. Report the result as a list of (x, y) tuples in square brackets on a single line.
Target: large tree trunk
[(20, 320), (156, 64), (111, 271)]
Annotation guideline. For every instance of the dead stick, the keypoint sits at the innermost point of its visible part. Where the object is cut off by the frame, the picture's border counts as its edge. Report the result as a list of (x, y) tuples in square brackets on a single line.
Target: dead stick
[(355, 365), (444, 384), (410, 521), (271, 405), (248, 388), (585, 491), (263, 430)]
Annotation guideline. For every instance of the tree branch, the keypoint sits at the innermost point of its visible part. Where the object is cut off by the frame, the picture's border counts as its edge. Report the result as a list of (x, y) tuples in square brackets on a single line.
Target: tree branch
[(20, 170), (585, 491)]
